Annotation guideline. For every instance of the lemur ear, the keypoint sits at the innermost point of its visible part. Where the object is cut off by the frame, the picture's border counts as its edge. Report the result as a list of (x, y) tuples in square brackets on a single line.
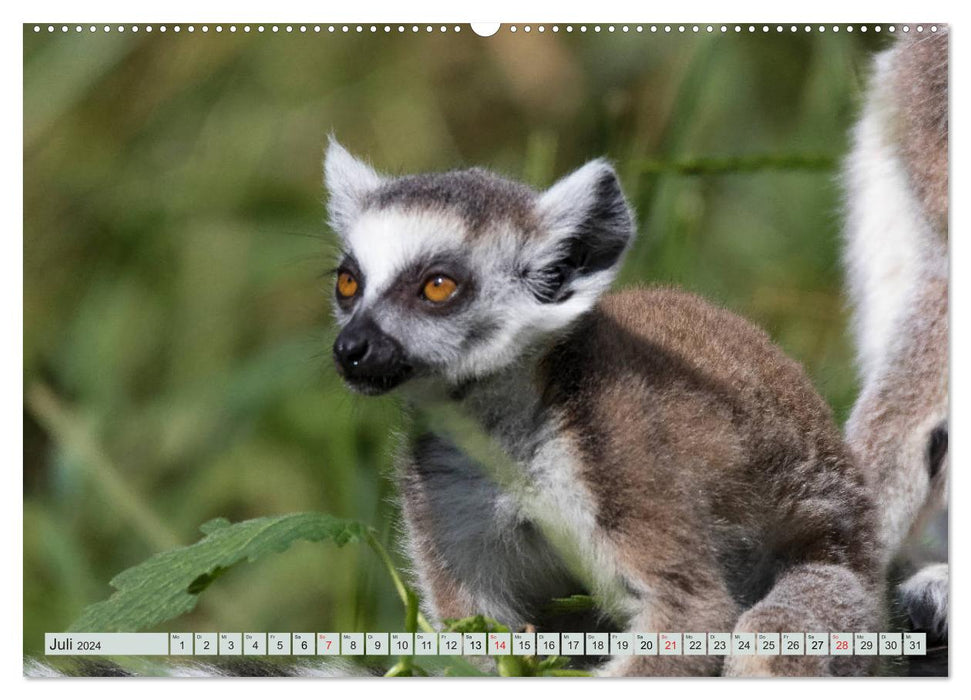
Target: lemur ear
[(348, 181), (589, 224)]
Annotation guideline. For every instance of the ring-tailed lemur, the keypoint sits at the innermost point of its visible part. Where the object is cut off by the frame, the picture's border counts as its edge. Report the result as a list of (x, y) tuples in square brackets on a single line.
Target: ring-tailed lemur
[(897, 263), (644, 444)]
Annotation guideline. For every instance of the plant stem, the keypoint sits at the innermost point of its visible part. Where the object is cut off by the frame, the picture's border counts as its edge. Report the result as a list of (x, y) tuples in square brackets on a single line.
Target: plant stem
[(70, 433), (568, 672), (738, 164), (408, 597)]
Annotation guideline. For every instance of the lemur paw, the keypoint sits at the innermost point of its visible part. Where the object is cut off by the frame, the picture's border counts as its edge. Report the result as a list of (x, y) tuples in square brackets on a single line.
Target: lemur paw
[(925, 598)]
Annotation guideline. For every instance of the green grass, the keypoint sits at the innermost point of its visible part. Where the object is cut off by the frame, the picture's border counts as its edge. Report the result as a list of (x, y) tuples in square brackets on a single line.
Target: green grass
[(176, 323)]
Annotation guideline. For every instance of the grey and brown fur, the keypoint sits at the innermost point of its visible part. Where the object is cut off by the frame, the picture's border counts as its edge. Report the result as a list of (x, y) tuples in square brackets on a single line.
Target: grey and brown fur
[(897, 263), (644, 446)]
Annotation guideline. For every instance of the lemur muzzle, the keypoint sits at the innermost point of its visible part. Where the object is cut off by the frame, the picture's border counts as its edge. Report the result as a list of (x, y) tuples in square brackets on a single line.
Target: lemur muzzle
[(368, 358)]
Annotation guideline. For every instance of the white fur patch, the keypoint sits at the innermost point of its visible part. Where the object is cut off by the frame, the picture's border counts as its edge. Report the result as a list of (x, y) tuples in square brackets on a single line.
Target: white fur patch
[(562, 505), (523, 321), (385, 241), (887, 233)]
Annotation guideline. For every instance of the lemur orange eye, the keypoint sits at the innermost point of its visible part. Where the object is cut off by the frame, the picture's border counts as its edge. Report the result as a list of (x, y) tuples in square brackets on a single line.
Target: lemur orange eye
[(346, 285), (439, 288)]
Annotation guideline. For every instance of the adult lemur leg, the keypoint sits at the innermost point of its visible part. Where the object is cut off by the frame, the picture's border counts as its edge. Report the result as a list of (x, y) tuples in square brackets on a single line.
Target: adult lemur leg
[(473, 550), (810, 598)]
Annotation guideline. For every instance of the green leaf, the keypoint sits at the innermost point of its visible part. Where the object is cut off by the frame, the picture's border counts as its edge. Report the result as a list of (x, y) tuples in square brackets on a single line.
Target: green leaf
[(553, 663), (210, 526), (460, 668), (513, 666), (574, 604), (168, 584), (568, 672), (475, 623)]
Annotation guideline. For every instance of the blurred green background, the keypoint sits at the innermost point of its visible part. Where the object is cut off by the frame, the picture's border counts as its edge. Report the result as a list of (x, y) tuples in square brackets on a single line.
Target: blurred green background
[(176, 304)]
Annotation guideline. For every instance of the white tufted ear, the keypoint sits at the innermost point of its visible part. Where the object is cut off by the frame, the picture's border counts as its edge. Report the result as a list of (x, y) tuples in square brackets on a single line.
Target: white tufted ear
[(588, 227), (348, 182)]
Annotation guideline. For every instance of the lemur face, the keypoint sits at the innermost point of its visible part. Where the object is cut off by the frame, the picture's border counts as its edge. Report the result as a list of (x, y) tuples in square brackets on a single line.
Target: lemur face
[(457, 275)]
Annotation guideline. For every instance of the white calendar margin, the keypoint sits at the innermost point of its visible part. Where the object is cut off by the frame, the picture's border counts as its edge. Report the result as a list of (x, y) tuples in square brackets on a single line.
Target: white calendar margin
[(439, 11)]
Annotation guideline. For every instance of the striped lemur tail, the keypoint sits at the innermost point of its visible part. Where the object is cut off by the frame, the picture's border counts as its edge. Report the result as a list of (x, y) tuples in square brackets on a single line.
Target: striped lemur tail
[(896, 257), (167, 667)]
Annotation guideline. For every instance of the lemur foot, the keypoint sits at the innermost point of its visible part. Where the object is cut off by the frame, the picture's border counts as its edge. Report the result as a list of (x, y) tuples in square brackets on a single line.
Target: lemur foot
[(924, 597)]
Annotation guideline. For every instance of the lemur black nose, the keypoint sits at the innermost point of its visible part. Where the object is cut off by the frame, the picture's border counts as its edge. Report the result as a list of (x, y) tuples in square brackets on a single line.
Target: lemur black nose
[(369, 359), (351, 349)]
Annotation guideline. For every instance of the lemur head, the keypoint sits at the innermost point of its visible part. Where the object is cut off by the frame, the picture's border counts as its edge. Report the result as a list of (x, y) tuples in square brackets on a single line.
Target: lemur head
[(459, 274)]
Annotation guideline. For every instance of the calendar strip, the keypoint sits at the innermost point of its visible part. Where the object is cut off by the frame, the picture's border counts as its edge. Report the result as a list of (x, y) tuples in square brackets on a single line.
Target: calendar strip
[(487, 644)]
